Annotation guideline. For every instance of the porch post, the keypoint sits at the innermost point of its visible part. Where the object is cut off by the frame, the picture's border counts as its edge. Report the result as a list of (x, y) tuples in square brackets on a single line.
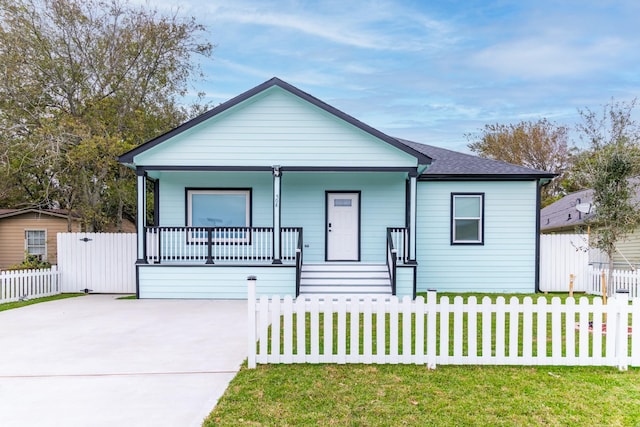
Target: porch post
[(141, 215), (277, 252), (413, 195)]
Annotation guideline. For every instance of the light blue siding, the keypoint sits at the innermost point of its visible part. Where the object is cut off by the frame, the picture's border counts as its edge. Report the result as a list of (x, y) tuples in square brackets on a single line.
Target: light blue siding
[(214, 282), (173, 195), (506, 261), (275, 128), (404, 281), (382, 203)]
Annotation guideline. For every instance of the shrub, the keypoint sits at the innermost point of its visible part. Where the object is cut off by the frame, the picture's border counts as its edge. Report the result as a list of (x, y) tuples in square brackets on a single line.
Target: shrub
[(31, 262)]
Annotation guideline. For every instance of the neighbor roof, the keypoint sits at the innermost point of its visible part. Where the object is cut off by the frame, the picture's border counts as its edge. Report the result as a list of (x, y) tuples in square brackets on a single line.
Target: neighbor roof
[(127, 157), (562, 215), (448, 164), (60, 213)]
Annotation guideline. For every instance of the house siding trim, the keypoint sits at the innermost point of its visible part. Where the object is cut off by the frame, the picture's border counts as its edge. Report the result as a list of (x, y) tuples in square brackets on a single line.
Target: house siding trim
[(164, 168), (537, 272)]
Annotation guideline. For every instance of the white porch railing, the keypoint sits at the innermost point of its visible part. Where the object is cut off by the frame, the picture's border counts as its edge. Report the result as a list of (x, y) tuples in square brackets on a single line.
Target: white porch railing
[(389, 331), (626, 280), (16, 285), (400, 239), (220, 244)]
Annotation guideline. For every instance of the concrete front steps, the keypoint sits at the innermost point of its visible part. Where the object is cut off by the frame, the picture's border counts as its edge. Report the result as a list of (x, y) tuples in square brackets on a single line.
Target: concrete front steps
[(345, 279)]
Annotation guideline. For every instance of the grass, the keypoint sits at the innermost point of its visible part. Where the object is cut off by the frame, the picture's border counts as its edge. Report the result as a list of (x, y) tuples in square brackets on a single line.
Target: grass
[(385, 395), (395, 395), (18, 304)]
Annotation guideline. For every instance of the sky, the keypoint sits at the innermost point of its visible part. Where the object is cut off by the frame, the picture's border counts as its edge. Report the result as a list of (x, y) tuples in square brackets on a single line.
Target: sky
[(426, 70)]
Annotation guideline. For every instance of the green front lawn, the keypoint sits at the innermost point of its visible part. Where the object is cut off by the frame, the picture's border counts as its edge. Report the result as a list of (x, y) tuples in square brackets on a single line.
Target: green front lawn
[(395, 395), (18, 304), (390, 395)]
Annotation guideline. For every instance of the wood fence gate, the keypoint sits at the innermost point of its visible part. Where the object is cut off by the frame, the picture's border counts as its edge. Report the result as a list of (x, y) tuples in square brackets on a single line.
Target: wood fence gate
[(560, 256), (102, 262)]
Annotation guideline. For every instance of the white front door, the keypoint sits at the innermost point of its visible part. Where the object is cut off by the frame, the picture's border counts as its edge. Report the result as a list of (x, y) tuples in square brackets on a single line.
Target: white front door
[(343, 226)]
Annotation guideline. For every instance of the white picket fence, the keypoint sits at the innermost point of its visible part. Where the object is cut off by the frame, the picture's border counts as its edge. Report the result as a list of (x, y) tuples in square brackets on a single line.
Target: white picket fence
[(102, 262), (19, 285), (626, 280), (390, 331)]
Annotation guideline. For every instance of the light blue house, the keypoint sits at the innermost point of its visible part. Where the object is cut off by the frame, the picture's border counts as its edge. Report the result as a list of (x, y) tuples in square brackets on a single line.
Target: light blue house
[(278, 184)]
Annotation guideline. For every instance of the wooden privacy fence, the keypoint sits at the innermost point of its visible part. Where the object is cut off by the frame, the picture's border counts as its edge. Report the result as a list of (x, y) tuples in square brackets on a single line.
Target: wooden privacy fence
[(626, 280), (102, 262), (19, 285), (389, 331)]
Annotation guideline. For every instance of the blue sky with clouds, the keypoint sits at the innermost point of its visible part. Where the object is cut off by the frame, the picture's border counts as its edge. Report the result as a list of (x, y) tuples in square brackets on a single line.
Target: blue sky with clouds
[(430, 71)]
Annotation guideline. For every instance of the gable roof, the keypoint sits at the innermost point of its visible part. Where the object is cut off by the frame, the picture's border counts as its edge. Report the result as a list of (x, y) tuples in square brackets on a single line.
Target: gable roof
[(59, 213), (448, 164), (128, 157)]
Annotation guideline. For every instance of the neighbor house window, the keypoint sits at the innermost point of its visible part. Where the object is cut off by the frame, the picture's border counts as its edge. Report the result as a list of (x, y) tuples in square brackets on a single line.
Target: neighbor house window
[(467, 222), (35, 242), (220, 208)]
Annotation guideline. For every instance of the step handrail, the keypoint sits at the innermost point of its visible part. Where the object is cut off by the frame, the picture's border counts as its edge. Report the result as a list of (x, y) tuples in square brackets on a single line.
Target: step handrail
[(392, 259)]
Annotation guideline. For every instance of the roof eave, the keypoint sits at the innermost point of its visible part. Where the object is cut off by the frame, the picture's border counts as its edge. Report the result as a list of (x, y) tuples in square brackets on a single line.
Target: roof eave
[(483, 177), (38, 211)]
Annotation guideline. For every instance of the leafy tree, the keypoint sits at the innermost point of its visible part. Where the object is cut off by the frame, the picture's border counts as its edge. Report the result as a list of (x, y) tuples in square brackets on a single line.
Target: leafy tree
[(540, 145), (82, 81), (610, 168)]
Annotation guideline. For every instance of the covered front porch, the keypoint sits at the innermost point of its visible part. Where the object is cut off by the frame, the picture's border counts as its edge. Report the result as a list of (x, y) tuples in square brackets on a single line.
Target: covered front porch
[(247, 250)]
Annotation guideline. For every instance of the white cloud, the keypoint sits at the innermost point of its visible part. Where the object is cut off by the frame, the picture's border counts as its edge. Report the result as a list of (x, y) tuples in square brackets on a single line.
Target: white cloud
[(361, 25), (550, 55)]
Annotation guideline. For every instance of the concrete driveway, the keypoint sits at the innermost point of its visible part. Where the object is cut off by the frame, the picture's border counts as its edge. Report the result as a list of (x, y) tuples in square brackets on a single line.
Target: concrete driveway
[(99, 361)]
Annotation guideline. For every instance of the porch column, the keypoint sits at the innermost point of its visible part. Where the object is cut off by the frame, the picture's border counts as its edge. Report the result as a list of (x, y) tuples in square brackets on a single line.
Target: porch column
[(277, 252), (413, 197), (141, 215)]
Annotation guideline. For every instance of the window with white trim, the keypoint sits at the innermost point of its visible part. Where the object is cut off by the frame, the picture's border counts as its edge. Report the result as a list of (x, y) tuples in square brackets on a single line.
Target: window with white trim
[(35, 243), (467, 218)]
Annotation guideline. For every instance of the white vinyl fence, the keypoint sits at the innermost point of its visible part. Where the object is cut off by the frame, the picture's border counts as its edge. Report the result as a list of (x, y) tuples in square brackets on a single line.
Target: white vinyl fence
[(389, 331), (20, 285), (562, 255), (626, 280), (101, 262)]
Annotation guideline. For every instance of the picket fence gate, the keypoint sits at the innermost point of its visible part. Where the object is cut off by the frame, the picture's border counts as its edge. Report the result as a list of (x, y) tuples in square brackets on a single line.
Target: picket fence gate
[(16, 285), (366, 330)]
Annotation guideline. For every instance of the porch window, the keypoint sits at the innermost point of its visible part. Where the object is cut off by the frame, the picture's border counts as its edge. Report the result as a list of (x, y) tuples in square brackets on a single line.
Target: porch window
[(467, 218), (230, 209), (35, 242)]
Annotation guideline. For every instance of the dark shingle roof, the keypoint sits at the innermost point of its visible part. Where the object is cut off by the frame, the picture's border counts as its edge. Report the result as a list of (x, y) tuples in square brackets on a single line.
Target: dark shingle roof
[(562, 215), (448, 164)]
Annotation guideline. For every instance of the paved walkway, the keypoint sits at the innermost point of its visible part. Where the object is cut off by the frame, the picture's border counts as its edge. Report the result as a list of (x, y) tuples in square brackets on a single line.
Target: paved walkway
[(99, 361)]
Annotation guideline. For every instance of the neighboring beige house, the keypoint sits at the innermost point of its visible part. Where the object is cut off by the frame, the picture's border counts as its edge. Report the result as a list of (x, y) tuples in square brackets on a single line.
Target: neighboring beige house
[(32, 231)]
